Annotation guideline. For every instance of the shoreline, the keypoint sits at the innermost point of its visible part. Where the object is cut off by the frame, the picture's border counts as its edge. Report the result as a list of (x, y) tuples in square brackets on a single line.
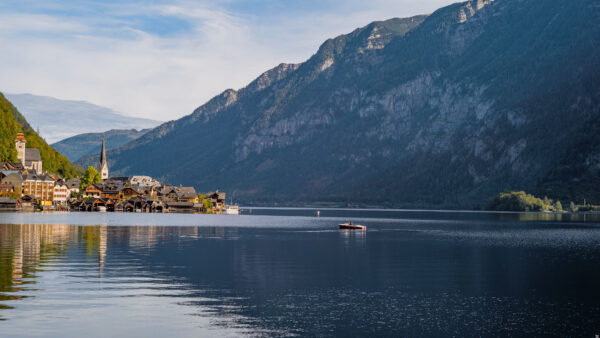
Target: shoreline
[(248, 211)]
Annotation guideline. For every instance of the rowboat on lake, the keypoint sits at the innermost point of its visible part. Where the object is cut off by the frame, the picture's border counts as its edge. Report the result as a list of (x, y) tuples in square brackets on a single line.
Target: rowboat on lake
[(352, 226)]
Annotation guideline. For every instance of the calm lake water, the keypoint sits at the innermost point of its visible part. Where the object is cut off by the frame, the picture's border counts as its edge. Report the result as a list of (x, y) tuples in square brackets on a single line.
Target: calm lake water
[(286, 272)]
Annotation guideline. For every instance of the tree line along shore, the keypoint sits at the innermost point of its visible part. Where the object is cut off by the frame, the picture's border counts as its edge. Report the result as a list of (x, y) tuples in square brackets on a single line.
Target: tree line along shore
[(522, 201)]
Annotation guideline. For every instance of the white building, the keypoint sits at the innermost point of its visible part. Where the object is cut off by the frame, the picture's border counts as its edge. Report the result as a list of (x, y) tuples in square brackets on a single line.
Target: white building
[(143, 181), (62, 193)]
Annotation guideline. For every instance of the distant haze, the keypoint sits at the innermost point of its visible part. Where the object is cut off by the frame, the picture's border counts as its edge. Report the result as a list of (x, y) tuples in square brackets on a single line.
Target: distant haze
[(60, 119)]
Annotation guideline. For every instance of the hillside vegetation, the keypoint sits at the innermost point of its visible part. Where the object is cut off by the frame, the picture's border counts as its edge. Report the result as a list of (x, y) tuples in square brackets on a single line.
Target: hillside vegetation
[(522, 201), (11, 123)]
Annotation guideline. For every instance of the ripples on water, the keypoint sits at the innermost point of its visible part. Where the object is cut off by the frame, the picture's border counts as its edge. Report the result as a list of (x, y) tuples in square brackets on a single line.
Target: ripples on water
[(281, 275)]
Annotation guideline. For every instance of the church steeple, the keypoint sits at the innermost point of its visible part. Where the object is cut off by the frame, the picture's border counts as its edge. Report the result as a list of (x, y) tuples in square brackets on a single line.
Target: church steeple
[(103, 167)]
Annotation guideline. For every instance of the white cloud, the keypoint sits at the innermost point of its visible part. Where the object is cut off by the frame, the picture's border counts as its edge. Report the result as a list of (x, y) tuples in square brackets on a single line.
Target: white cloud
[(107, 60), (17, 23)]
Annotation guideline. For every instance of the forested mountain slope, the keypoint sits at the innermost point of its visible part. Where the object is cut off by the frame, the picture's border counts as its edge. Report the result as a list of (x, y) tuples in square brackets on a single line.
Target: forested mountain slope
[(11, 123)]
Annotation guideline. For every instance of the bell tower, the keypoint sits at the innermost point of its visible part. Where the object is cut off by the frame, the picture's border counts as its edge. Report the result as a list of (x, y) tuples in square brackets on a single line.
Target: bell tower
[(20, 145)]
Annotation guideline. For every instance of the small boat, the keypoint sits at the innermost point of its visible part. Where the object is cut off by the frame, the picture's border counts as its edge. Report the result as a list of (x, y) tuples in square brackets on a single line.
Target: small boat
[(232, 210), (101, 208), (352, 226)]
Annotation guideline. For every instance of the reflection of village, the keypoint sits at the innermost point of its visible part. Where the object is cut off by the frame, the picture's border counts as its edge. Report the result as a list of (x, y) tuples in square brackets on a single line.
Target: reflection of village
[(25, 248), (25, 187)]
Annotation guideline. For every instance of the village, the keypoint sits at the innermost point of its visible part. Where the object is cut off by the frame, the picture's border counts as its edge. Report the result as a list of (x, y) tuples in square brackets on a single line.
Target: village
[(26, 187)]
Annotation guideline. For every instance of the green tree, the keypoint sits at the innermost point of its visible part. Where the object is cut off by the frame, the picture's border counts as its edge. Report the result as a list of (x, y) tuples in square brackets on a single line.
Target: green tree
[(91, 176), (558, 207), (207, 203), (572, 207), (517, 201)]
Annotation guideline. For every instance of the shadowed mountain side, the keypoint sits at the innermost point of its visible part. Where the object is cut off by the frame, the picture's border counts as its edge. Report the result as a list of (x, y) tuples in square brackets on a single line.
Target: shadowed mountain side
[(443, 110), (84, 144)]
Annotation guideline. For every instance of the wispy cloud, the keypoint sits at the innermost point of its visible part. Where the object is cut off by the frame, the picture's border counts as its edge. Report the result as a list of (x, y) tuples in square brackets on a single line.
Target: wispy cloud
[(164, 59)]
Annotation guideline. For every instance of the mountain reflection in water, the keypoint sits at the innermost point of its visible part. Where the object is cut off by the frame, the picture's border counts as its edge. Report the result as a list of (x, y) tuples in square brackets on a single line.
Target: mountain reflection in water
[(452, 274)]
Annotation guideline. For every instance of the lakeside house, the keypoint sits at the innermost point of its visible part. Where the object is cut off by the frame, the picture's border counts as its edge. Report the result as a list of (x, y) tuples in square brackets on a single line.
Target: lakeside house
[(61, 193), (74, 184), (218, 199), (91, 191), (41, 187), (9, 204)]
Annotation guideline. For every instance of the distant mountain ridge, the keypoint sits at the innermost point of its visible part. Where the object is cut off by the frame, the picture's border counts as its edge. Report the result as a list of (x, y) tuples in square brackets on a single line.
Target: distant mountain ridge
[(60, 119), (443, 110), (90, 143), (14, 122)]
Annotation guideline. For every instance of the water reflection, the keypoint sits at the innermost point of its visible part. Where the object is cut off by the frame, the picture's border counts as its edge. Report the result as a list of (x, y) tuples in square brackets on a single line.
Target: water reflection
[(399, 278), (24, 248), (74, 269)]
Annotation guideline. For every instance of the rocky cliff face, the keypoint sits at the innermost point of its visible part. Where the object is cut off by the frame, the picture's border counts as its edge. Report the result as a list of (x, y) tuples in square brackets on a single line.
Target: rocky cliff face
[(438, 110)]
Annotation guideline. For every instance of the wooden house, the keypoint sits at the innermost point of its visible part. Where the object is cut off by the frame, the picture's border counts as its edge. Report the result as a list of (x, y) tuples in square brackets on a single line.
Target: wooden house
[(187, 194), (92, 191), (218, 199), (128, 193), (9, 204), (183, 207)]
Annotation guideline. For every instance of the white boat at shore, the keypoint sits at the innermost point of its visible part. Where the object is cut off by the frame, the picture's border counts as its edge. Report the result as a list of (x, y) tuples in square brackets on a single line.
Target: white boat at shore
[(101, 208), (232, 210)]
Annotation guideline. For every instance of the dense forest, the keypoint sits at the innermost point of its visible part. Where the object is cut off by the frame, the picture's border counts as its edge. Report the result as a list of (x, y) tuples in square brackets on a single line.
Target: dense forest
[(11, 123)]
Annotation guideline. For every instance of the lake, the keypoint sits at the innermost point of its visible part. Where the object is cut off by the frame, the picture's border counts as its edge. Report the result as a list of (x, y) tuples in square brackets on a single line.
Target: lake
[(287, 272)]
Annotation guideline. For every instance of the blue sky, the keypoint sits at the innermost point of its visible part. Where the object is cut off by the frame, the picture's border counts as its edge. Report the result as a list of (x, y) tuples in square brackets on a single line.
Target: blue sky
[(162, 59)]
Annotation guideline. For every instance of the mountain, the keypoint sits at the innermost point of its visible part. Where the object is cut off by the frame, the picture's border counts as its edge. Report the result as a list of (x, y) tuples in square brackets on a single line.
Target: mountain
[(60, 119), (443, 110), (12, 123), (90, 143)]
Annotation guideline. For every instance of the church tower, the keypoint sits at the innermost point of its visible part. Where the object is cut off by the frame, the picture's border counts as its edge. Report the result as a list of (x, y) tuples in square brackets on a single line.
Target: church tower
[(103, 167), (20, 145)]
